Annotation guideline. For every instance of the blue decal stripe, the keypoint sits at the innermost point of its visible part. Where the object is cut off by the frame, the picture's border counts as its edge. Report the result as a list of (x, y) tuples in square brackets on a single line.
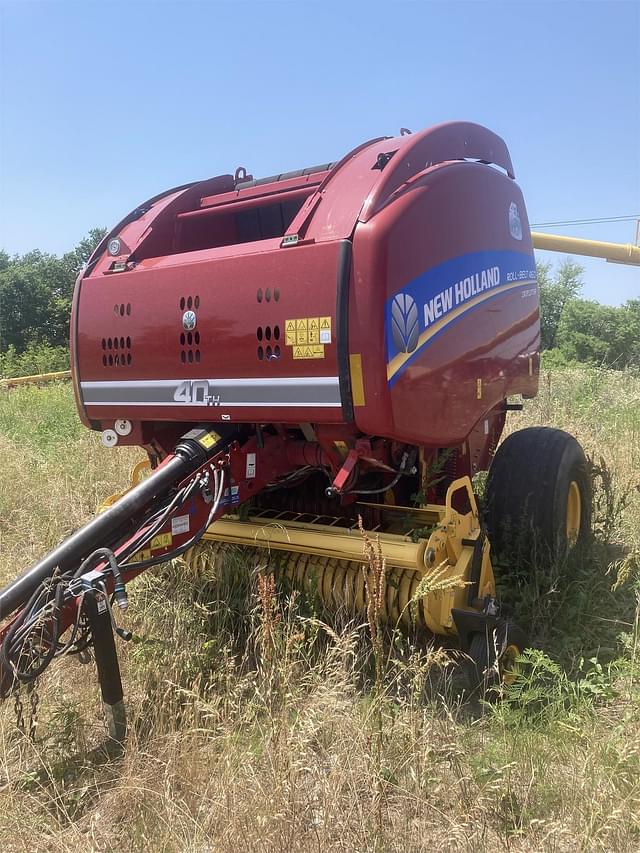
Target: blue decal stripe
[(402, 360), (439, 290)]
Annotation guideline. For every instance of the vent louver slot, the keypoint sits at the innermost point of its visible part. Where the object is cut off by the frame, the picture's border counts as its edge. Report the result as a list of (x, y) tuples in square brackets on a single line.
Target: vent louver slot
[(190, 337), (116, 351), (268, 335)]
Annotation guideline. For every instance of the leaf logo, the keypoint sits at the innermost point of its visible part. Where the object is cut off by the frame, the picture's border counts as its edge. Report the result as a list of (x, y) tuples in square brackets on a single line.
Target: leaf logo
[(404, 323)]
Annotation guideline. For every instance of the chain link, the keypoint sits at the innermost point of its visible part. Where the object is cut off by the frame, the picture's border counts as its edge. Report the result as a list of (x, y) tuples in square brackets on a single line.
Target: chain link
[(19, 709), (18, 705), (34, 701)]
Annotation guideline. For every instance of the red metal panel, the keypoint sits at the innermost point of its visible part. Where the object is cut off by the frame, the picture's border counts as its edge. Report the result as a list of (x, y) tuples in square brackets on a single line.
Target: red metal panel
[(244, 300), (455, 211), (338, 201), (302, 181), (241, 203), (356, 187), (453, 140)]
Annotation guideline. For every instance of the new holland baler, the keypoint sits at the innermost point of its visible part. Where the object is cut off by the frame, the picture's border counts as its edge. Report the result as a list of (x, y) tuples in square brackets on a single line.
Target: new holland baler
[(336, 343)]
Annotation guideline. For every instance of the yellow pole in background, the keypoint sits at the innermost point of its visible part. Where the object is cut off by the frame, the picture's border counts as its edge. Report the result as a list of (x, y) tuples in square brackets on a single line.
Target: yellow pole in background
[(618, 253), (35, 380)]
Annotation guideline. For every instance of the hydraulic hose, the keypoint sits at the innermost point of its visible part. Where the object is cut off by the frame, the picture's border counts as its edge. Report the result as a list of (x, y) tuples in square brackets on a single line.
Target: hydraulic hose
[(192, 451)]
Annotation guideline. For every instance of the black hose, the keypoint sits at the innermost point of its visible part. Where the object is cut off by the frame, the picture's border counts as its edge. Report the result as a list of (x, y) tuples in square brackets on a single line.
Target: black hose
[(104, 528), (164, 558), (109, 527), (35, 585), (7, 649)]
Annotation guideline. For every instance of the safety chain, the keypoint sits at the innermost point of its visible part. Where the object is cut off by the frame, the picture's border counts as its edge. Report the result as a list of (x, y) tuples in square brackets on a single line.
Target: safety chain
[(34, 701), (19, 709), (18, 705)]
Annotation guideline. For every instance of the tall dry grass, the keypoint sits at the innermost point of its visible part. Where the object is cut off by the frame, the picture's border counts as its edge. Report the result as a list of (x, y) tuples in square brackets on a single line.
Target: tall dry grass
[(254, 724)]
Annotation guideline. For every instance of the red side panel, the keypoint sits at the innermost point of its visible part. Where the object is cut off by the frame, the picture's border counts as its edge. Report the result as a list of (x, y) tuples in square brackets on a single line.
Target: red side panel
[(444, 305), (223, 334)]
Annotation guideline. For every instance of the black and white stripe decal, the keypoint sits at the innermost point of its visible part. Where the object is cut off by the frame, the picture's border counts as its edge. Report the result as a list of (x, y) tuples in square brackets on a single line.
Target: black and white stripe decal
[(320, 391)]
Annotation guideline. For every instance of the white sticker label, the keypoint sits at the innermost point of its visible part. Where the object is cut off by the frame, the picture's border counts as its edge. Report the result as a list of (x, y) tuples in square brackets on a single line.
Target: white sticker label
[(180, 524), (486, 427), (231, 497), (251, 465), (101, 604), (325, 336)]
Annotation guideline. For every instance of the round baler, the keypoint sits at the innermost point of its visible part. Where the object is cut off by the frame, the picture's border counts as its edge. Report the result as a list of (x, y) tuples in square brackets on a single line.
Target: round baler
[(326, 348)]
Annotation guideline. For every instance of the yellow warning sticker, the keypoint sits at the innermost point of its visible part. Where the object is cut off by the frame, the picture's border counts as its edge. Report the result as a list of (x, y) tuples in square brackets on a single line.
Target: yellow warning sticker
[(141, 555), (307, 336), (209, 440), (158, 543), (308, 352), (163, 540)]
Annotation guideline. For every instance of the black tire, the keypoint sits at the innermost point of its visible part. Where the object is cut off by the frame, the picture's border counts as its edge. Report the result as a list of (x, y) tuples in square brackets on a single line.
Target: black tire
[(531, 493), (492, 656)]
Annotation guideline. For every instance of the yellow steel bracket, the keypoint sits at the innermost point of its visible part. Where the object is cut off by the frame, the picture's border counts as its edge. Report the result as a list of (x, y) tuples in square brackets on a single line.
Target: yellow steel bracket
[(139, 471), (449, 556), (462, 483)]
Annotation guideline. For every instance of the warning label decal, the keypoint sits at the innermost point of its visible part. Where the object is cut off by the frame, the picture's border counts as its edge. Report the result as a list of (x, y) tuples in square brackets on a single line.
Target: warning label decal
[(307, 336)]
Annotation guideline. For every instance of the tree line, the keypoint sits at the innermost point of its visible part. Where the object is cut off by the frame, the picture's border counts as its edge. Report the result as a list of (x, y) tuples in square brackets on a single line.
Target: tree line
[(36, 291), (573, 329)]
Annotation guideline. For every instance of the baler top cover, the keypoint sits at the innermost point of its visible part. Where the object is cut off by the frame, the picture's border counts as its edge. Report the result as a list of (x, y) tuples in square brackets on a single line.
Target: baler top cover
[(394, 290)]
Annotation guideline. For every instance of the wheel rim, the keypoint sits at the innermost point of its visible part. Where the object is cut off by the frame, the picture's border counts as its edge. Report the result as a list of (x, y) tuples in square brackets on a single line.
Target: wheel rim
[(574, 512), (508, 665)]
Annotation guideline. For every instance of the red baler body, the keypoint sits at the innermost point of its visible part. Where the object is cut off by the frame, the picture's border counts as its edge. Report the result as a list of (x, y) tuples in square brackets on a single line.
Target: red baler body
[(393, 291)]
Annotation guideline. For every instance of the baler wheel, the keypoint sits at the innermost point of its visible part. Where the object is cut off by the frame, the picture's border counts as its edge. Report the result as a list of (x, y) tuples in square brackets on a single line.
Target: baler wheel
[(538, 498), (493, 656)]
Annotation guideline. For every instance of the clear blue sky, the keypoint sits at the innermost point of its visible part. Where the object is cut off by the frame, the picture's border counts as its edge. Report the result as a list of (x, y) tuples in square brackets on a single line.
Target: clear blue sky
[(104, 104)]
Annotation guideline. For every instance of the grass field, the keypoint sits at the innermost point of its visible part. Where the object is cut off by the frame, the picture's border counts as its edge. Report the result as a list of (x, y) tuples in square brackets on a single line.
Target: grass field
[(256, 725)]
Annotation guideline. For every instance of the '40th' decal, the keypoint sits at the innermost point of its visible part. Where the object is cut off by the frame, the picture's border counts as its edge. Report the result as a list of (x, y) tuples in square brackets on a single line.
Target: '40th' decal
[(196, 393)]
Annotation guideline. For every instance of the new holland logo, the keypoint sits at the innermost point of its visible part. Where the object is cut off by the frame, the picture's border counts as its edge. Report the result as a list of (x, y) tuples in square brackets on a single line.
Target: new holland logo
[(515, 226), (404, 323), (189, 320)]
